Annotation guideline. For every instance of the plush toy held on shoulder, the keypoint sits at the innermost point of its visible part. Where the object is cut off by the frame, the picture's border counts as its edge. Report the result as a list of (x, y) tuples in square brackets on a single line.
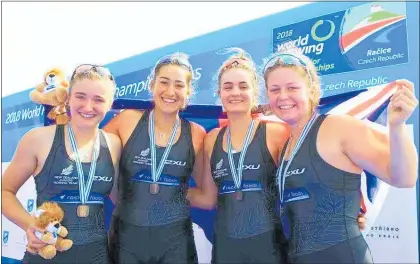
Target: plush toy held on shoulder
[(53, 91), (48, 217)]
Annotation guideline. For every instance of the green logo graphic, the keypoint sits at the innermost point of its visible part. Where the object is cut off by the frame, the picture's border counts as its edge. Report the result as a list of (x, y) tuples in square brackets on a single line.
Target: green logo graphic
[(316, 25)]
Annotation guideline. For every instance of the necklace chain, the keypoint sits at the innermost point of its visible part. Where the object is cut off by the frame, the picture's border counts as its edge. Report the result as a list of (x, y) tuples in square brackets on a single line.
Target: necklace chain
[(161, 133)]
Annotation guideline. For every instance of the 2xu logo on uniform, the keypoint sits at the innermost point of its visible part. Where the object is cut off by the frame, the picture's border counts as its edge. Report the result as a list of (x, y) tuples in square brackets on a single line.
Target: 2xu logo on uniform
[(66, 177), (143, 160), (245, 166), (295, 172)]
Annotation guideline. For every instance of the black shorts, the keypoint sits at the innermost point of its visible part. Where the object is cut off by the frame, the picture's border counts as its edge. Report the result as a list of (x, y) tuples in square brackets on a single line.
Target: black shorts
[(354, 250), (92, 253), (269, 247), (172, 243)]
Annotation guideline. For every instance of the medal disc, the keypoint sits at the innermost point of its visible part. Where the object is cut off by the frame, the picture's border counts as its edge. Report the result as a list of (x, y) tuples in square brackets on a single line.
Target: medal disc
[(154, 188), (83, 210)]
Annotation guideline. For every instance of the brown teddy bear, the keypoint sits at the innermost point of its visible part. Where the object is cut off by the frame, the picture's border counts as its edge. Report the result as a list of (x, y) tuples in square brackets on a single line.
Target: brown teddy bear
[(53, 91), (48, 217)]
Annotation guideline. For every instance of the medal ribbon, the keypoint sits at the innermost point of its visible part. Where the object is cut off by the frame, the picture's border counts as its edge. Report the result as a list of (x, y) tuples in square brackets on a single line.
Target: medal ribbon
[(156, 173), (237, 173), (281, 175), (84, 190)]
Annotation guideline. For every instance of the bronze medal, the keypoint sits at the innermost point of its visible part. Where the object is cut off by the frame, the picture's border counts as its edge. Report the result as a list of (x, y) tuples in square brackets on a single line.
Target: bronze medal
[(154, 188), (239, 195), (83, 210)]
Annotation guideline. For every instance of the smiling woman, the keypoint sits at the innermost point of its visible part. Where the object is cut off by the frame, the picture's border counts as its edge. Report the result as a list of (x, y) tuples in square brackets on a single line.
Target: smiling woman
[(92, 95), (59, 157), (322, 163), (170, 87), (246, 226), (161, 151)]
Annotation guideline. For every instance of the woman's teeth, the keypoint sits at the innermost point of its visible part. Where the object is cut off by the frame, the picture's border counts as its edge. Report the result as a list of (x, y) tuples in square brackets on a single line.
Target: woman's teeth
[(285, 107), (87, 115), (168, 100)]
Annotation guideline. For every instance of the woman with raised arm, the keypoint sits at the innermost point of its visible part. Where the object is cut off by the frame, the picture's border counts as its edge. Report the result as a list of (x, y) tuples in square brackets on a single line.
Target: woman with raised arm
[(321, 166)]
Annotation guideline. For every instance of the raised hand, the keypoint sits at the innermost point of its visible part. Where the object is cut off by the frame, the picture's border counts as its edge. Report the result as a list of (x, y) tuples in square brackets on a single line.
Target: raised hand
[(402, 103)]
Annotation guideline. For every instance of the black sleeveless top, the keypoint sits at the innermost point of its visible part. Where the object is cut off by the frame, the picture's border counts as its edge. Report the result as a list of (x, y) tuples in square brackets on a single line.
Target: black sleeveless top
[(58, 182), (136, 205), (321, 201), (256, 212)]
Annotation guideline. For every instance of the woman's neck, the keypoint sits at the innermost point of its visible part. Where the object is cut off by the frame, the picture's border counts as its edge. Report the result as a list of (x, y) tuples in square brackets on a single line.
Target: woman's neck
[(239, 123), (165, 121), (83, 135), (297, 127)]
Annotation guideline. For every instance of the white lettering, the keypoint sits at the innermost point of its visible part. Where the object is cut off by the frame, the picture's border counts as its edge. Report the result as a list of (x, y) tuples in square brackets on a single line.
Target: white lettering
[(284, 34), (366, 61), (24, 114), (295, 172), (393, 57), (367, 82), (332, 87), (134, 89), (378, 51), (302, 44)]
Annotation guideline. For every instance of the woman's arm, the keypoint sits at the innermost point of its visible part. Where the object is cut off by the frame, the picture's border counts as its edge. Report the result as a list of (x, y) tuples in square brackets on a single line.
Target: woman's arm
[(114, 124), (123, 124), (403, 167), (114, 143), (392, 158), (205, 194), (20, 169)]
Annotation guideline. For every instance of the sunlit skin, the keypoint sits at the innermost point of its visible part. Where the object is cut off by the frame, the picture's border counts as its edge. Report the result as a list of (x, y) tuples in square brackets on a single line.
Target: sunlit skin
[(289, 95), (170, 89), (236, 91), (89, 101), (344, 142)]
